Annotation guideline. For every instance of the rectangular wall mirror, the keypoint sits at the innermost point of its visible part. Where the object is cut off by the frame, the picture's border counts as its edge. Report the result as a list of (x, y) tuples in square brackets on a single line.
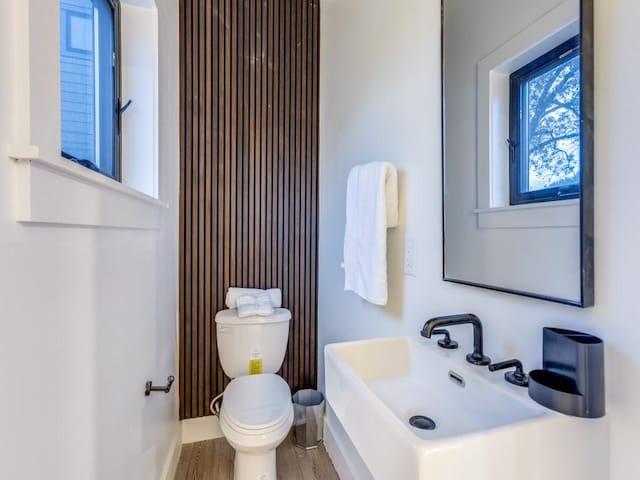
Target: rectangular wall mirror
[(518, 147)]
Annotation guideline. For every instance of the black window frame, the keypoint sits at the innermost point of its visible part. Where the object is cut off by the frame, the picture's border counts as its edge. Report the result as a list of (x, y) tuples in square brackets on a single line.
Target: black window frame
[(116, 104), (518, 162)]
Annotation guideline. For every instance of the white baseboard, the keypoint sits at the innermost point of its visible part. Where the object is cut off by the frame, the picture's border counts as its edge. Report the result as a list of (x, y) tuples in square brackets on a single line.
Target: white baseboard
[(172, 463), (346, 459), (201, 428)]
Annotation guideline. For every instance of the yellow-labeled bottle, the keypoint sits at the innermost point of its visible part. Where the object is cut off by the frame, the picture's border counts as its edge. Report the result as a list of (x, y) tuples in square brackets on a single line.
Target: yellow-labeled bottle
[(255, 363)]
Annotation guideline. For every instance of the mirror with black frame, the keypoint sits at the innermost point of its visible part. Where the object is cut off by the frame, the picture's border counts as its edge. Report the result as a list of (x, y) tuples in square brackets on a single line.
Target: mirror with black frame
[(518, 147)]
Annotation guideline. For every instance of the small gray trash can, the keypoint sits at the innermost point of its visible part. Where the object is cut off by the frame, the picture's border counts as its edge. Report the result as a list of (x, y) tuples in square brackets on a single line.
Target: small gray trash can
[(308, 408)]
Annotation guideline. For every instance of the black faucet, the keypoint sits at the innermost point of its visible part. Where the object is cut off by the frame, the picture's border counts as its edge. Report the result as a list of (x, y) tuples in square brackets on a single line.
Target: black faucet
[(445, 342), (517, 377), (477, 357)]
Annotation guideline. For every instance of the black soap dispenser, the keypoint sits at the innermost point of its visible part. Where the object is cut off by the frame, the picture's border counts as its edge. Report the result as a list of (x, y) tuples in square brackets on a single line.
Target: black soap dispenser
[(572, 377)]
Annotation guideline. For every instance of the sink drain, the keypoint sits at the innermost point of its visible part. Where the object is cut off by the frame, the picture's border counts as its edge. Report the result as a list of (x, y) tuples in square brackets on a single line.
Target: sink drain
[(422, 422)]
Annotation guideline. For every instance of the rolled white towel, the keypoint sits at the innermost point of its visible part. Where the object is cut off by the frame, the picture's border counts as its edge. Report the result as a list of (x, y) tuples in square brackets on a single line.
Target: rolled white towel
[(275, 295), (258, 304)]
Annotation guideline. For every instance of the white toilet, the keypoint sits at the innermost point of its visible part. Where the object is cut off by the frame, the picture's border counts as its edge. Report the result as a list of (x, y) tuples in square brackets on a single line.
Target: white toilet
[(256, 413)]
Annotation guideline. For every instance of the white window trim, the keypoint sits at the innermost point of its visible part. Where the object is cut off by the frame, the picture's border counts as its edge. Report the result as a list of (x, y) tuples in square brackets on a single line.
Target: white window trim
[(58, 191), (53, 190), (560, 214)]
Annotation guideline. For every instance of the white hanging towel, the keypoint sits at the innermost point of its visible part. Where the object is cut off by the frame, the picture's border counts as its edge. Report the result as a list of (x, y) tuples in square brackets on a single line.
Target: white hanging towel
[(372, 207)]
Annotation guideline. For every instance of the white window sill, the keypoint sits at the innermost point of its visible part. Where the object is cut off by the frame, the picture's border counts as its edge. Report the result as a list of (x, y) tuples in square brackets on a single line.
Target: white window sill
[(59, 191), (563, 213)]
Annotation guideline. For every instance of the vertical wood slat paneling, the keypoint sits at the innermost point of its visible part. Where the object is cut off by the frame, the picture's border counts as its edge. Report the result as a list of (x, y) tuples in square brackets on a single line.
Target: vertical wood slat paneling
[(248, 177)]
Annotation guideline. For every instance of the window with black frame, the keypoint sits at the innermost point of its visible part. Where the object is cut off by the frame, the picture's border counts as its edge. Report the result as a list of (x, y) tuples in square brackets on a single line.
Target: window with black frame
[(544, 127), (89, 84)]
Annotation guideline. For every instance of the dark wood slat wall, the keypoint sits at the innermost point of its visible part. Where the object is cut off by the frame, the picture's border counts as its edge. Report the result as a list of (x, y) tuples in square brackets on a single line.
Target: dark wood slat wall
[(249, 173)]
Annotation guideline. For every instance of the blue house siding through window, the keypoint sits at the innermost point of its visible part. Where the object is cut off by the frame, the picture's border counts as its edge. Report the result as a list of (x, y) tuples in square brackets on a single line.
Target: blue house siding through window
[(77, 77), (89, 84)]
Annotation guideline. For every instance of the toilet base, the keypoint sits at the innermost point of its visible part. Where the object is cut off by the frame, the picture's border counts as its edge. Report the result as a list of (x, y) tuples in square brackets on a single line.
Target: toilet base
[(261, 466)]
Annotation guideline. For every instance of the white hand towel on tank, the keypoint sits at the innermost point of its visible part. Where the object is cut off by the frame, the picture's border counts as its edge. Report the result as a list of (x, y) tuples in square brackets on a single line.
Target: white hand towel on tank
[(258, 304), (231, 300), (372, 207)]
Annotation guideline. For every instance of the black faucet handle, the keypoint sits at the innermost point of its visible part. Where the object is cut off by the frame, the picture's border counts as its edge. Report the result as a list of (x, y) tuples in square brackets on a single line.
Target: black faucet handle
[(445, 342), (517, 377)]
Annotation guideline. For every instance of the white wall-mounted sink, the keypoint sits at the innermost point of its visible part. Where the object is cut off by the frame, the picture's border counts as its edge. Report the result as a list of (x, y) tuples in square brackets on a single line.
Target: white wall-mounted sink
[(486, 429)]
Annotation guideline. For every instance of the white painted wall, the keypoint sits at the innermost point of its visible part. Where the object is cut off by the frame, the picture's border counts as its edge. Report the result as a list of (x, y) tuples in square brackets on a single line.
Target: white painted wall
[(87, 315), (380, 100)]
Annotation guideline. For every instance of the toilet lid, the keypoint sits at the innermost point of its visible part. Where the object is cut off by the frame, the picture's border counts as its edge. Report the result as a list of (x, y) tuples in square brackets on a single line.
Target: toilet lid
[(256, 402)]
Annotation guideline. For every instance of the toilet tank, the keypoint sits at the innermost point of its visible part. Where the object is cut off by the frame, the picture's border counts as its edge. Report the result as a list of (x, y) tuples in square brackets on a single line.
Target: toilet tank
[(246, 345)]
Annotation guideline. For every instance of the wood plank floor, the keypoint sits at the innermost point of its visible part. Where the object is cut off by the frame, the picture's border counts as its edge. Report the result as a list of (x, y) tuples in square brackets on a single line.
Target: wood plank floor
[(213, 460)]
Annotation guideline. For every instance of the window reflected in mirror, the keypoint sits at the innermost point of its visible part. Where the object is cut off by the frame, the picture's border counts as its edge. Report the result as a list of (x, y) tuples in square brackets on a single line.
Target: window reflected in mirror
[(545, 127)]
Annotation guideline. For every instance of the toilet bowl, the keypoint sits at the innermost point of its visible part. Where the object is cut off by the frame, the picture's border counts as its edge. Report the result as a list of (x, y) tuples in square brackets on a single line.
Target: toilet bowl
[(256, 413), (255, 417)]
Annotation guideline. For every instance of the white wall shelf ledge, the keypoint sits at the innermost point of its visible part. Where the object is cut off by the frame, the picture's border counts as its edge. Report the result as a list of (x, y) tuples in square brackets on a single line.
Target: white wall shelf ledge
[(58, 191)]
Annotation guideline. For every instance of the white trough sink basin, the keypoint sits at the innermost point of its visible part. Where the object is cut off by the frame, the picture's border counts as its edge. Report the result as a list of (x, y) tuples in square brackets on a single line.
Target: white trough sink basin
[(486, 429)]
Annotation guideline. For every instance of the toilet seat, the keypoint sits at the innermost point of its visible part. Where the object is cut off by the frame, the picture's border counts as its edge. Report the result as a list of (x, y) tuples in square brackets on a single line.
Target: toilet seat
[(257, 404)]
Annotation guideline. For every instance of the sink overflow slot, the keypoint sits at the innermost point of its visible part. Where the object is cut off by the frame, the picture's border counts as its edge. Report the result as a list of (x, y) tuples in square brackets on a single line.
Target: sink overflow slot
[(457, 379)]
